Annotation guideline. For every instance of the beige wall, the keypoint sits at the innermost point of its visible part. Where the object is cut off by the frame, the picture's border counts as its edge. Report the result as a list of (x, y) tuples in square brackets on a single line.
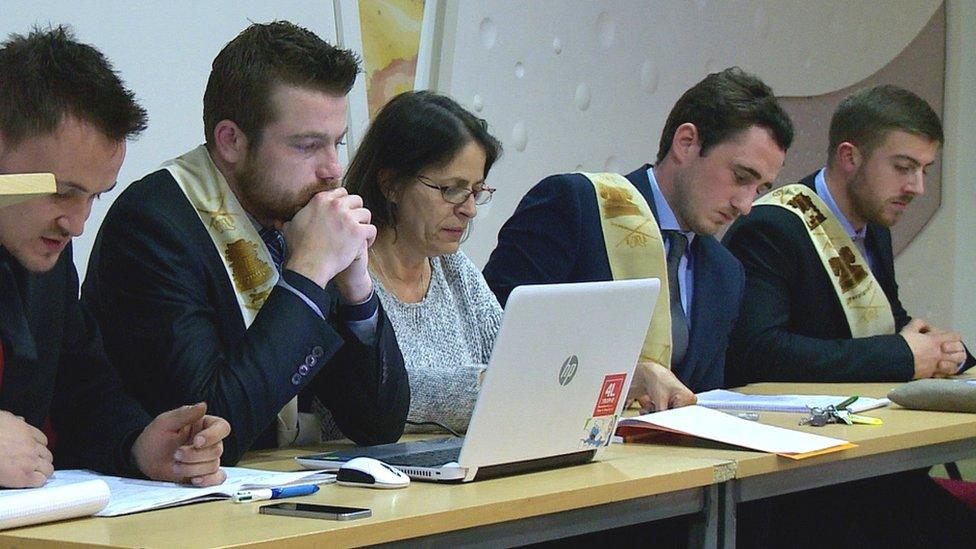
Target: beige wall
[(936, 271)]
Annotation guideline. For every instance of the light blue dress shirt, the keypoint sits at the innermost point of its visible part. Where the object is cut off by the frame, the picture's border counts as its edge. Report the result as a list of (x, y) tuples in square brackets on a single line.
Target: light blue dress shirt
[(667, 221)]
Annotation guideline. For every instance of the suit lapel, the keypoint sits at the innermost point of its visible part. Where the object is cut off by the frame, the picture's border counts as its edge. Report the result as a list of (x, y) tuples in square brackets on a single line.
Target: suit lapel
[(638, 178), (22, 382), (880, 246), (710, 287), (19, 342)]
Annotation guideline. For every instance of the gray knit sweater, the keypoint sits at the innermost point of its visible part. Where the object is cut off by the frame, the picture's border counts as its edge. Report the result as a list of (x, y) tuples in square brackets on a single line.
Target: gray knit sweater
[(446, 341)]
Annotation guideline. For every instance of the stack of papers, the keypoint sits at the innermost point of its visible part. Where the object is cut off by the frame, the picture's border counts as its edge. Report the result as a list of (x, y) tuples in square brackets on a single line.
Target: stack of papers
[(709, 424), (720, 399), (74, 493)]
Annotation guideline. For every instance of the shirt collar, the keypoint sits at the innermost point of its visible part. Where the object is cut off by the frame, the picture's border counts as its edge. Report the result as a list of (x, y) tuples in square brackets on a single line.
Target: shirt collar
[(823, 191), (254, 222), (666, 220)]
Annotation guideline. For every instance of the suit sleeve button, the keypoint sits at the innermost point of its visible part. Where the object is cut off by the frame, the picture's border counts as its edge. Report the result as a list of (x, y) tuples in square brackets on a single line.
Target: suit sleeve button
[(317, 351), (296, 379)]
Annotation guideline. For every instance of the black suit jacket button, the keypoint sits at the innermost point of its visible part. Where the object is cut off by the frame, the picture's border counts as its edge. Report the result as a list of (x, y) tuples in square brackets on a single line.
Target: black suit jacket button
[(310, 361), (296, 379), (303, 370), (317, 351)]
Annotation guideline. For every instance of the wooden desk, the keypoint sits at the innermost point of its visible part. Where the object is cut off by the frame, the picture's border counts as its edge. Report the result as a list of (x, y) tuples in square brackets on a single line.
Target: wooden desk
[(909, 439), (629, 485)]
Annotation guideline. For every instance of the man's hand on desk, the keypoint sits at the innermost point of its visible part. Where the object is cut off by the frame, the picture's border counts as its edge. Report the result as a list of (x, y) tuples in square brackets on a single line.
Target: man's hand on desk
[(183, 445), (656, 388), (25, 461), (937, 353)]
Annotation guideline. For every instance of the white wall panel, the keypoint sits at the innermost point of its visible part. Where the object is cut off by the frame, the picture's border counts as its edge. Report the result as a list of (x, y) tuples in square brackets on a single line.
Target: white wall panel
[(569, 84)]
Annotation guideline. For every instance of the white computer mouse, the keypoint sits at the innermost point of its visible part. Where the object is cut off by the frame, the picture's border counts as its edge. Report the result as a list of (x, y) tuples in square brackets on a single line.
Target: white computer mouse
[(371, 473)]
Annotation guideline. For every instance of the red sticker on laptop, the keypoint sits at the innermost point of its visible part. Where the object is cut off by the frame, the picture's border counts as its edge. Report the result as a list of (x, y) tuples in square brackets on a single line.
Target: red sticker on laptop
[(610, 393)]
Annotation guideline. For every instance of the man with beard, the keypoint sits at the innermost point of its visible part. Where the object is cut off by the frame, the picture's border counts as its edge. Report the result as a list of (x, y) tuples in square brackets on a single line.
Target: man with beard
[(236, 274), (65, 112), (821, 302), (821, 305)]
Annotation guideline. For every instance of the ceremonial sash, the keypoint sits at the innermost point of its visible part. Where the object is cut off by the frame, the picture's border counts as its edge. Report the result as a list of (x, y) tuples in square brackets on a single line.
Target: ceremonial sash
[(635, 250), (864, 302), (245, 256)]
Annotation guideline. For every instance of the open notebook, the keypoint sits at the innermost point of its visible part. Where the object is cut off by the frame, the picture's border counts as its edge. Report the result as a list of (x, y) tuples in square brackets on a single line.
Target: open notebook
[(714, 425), (76, 493)]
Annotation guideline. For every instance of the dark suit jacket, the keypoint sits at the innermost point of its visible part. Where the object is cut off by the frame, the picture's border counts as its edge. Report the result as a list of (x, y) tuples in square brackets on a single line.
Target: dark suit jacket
[(55, 368), (173, 325), (555, 236), (792, 326)]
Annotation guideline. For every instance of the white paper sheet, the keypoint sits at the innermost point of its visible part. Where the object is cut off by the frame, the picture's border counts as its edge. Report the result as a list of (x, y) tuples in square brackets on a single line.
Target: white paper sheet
[(719, 426)]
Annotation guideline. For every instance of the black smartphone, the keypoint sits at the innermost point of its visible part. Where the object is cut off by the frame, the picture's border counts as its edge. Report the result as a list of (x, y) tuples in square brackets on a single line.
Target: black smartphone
[(311, 510)]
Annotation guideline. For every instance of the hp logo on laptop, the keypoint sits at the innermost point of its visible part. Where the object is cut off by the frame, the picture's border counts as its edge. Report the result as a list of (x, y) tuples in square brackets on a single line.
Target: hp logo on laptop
[(568, 370)]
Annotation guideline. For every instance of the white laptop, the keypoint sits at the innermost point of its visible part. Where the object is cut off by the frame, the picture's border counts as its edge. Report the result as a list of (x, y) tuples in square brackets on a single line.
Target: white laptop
[(553, 390)]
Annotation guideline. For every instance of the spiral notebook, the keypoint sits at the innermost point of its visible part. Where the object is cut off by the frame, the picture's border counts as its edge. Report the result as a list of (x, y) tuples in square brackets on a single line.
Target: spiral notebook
[(720, 399)]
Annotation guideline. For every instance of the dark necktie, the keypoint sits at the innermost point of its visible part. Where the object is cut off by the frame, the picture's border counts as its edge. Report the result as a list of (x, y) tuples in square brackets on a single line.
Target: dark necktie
[(276, 245), (679, 321)]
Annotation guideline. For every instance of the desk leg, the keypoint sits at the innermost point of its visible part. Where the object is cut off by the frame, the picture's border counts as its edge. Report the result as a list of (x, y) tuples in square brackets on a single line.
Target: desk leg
[(704, 533), (726, 530)]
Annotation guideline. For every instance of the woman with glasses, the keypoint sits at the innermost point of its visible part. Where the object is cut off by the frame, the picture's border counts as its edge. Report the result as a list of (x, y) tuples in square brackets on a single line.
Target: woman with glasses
[(421, 171)]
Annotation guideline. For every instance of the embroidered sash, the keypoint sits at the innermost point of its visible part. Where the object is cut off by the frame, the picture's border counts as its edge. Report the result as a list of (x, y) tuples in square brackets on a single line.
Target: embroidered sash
[(635, 250), (864, 302), (244, 254)]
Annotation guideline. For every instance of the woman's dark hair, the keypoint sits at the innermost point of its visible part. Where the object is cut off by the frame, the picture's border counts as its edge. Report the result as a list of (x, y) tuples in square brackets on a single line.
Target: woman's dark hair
[(414, 131)]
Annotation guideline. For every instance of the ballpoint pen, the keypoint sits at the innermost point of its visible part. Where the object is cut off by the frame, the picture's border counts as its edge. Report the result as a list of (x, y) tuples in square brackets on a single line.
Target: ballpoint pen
[(244, 496), (847, 402)]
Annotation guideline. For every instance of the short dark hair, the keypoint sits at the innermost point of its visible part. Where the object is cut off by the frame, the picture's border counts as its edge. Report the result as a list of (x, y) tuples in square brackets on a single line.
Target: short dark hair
[(866, 116), (247, 69), (414, 131), (48, 75), (723, 105)]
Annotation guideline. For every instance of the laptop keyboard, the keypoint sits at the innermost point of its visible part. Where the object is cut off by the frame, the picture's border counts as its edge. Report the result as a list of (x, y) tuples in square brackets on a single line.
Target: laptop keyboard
[(432, 458)]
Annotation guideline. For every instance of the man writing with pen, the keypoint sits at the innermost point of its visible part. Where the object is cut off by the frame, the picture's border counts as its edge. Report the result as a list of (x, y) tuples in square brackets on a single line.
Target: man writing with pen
[(64, 111)]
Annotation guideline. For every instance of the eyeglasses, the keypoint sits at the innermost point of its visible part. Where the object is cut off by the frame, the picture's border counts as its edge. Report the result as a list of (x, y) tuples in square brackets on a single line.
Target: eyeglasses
[(458, 195)]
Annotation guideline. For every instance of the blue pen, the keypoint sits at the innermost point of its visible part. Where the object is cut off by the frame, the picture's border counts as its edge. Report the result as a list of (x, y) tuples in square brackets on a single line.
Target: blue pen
[(244, 496)]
